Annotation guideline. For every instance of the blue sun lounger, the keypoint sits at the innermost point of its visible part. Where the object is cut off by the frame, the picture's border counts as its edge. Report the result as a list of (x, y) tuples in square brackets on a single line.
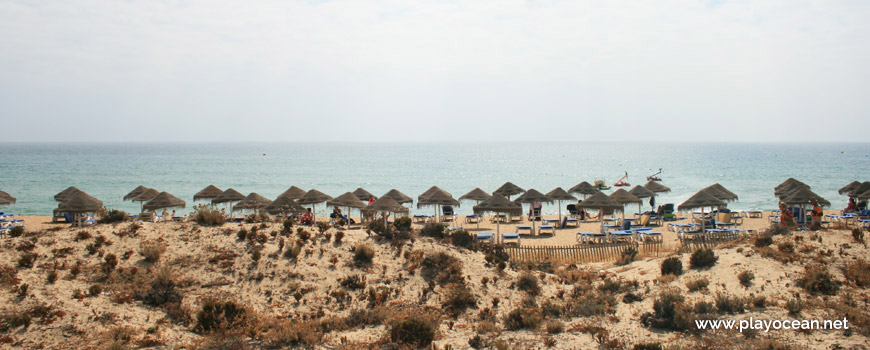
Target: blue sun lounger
[(591, 237), (484, 236), (550, 229)]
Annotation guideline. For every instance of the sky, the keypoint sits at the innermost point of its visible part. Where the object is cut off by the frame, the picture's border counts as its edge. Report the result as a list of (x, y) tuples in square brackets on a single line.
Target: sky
[(409, 71)]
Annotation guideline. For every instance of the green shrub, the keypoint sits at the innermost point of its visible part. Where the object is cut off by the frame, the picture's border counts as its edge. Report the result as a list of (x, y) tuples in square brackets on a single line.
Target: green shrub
[(363, 254), (208, 216), (412, 331), (435, 230), (528, 282), (817, 280), (402, 223), (665, 308), (113, 216), (703, 258), (322, 226), (672, 266), (462, 239), (442, 268)]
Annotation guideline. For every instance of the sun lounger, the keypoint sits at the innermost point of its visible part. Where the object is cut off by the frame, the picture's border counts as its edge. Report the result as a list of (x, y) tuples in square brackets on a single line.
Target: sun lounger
[(549, 228), (621, 235), (472, 219), (524, 228), (454, 228), (572, 222), (572, 210), (498, 218), (484, 237), (422, 218), (511, 238), (591, 237), (447, 213), (650, 236)]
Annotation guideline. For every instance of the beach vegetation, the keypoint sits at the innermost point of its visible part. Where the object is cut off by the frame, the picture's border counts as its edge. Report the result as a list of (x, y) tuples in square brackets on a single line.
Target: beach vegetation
[(763, 240), (287, 225), (434, 230), (462, 239), (339, 236), (205, 215), (322, 226), (82, 235), (26, 260), (51, 276), (817, 280), (627, 256), (794, 306), (242, 234), (16, 231), (220, 315), (858, 272), (354, 282), (697, 283), (151, 251), (745, 277), (293, 252), (363, 254), (109, 262), (402, 223), (647, 346), (8, 276), (703, 258), (665, 308), (776, 230), (413, 331), (731, 304), (858, 235), (292, 333), (442, 268), (672, 266), (523, 318), (113, 216), (95, 290), (528, 283), (759, 301), (786, 247), (161, 290), (458, 298), (554, 326)]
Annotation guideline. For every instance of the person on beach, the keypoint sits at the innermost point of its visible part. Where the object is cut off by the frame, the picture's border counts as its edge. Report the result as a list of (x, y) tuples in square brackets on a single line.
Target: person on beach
[(786, 218), (165, 215), (817, 212), (850, 208), (306, 219)]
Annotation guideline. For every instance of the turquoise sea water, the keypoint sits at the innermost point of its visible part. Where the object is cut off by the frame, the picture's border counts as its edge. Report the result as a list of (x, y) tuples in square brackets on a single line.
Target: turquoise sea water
[(34, 173)]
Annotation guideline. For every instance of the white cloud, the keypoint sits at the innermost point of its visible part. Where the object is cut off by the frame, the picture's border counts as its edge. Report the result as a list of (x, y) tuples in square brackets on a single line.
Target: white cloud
[(435, 70)]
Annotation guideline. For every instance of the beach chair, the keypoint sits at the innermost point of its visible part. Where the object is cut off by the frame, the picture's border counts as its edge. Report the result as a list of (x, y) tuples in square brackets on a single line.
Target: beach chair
[(146, 216), (650, 236), (447, 213), (536, 214), (524, 228), (572, 222), (472, 219), (550, 230), (591, 237), (723, 218), (498, 218), (511, 238), (484, 237)]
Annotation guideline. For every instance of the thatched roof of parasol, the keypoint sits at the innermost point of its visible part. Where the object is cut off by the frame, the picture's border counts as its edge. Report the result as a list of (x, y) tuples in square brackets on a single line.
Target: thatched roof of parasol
[(209, 192), (164, 200), (230, 195)]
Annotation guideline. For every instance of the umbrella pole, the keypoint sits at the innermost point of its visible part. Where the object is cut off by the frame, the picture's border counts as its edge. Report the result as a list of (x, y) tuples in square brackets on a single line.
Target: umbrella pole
[(559, 204)]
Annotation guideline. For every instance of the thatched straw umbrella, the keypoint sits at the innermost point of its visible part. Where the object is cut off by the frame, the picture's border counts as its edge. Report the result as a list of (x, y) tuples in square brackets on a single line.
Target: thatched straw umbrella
[(729, 196), (584, 188), (601, 202), (349, 200), (252, 201), (532, 196), (293, 193), (788, 189), (641, 192), (283, 206), (145, 196), (135, 192), (865, 195), (436, 197), (399, 197), (702, 199), (78, 203), (804, 196), (559, 195), (67, 192), (476, 195), (164, 200), (228, 196), (209, 192), (787, 183), (362, 194), (497, 204), (656, 187), (386, 204), (848, 188), (508, 190), (6, 198), (622, 197), (865, 186), (313, 197)]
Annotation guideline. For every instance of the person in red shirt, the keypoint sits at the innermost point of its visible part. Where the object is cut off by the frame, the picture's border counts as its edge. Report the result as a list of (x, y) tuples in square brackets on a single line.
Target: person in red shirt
[(306, 219)]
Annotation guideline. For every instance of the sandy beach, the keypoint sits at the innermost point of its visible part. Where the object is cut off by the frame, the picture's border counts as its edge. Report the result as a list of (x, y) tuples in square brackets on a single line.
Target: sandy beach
[(319, 299)]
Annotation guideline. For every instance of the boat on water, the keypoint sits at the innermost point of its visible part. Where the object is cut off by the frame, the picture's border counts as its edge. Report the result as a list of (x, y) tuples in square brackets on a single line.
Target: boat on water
[(600, 185), (621, 182), (655, 177)]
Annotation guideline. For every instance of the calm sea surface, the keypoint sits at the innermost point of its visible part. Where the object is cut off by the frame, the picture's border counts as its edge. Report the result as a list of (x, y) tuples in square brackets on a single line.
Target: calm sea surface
[(34, 173)]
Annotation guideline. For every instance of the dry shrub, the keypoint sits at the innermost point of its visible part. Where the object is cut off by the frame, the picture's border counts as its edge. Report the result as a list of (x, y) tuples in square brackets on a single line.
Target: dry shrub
[(627, 256), (442, 268), (223, 315), (8, 276), (817, 280), (523, 318), (730, 304), (354, 282), (208, 216), (763, 240), (363, 254), (458, 299), (554, 326), (413, 331), (703, 258), (162, 289), (151, 251), (794, 306), (858, 272), (697, 283), (665, 308), (113, 216), (26, 260), (528, 282), (745, 277), (292, 334), (858, 235), (672, 266)]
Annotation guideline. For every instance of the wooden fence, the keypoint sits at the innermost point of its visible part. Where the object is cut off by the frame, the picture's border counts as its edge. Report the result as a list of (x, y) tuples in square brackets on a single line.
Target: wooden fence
[(579, 253), (708, 240)]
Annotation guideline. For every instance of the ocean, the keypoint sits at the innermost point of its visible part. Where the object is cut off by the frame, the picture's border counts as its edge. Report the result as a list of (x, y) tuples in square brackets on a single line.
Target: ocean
[(35, 172)]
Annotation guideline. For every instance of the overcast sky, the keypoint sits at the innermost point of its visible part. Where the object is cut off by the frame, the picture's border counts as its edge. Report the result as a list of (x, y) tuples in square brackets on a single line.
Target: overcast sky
[(475, 70)]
